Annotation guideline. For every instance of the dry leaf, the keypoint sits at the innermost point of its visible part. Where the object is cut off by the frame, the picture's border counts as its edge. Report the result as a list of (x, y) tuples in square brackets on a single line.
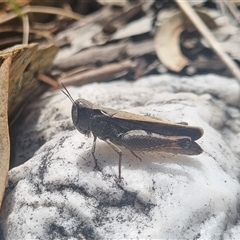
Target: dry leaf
[(27, 61), (19, 65), (167, 43), (4, 133), (118, 21), (167, 39)]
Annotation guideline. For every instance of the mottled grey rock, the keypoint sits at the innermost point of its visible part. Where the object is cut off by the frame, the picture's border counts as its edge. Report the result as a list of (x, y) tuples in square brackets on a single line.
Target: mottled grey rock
[(56, 194)]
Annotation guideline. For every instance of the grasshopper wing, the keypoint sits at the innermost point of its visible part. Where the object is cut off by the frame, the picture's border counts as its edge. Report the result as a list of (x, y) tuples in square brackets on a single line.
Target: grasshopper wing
[(130, 121)]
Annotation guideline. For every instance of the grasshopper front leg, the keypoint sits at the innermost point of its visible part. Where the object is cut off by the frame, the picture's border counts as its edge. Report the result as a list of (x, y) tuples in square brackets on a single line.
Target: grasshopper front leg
[(93, 153)]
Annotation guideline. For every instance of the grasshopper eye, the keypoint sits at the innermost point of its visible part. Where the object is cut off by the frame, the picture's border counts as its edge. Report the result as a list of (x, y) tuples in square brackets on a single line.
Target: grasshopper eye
[(74, 113)]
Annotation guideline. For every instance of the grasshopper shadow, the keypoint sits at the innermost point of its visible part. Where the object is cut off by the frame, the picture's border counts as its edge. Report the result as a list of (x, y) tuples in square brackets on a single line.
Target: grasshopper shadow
[(152, 162)]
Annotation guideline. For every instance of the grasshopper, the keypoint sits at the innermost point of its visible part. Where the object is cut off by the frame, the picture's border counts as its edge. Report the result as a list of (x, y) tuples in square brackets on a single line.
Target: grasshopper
[(132, 131)]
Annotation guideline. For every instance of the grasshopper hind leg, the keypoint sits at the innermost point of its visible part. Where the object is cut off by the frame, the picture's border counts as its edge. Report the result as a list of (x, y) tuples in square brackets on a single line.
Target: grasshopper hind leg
[(135, 155), (119, 152)]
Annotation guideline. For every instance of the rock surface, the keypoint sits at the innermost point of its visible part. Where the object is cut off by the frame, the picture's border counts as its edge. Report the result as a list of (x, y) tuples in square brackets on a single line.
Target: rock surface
[(56, 194)]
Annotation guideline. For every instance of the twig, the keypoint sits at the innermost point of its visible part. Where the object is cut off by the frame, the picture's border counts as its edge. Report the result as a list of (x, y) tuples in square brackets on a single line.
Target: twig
[(77, 70), (105, 54), (216, 46), (25, 21), (92, 55), (41, 9), (47, 80), (41, 33), (97, 75), (233, 9), (221, 6)]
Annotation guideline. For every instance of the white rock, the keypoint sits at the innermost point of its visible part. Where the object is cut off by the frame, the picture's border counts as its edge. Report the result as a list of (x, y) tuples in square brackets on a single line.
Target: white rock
[(56, 194)]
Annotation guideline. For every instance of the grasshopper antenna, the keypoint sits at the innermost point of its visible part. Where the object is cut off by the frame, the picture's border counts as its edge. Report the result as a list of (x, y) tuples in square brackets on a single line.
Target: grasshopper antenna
[(66, 92)]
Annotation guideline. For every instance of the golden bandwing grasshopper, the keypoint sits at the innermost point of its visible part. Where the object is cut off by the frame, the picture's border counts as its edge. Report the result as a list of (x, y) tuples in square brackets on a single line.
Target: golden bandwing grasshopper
[(132, 131)]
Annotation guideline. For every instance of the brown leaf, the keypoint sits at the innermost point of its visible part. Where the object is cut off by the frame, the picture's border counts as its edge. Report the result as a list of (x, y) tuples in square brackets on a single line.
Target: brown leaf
[(27, 61), (167, 39), (4, 133), (167, 43), (19, 65)]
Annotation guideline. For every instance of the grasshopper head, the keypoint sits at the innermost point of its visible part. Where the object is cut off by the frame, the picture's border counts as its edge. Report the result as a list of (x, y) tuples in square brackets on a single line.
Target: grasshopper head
[(82, 115)]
